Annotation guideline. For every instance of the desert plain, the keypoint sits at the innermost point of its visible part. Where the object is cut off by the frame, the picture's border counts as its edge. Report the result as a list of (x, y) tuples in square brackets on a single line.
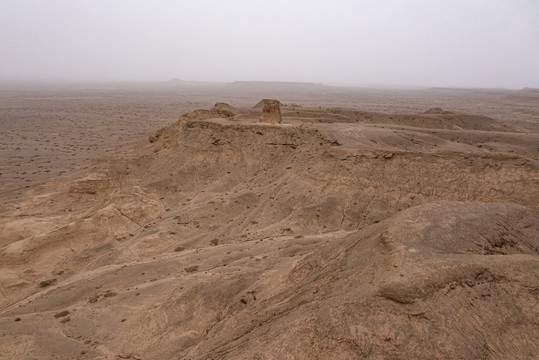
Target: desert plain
[(164, 221)]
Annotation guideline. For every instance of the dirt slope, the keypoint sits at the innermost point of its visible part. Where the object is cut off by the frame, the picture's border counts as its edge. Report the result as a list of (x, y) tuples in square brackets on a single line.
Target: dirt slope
[(338, 233)]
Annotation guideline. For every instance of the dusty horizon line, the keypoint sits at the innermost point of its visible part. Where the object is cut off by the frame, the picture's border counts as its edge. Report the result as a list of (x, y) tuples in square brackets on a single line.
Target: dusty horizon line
[(179, 81)]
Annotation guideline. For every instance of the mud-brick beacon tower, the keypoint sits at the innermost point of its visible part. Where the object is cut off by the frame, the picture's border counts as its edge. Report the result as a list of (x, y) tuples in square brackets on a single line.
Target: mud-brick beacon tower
[(271, 112)]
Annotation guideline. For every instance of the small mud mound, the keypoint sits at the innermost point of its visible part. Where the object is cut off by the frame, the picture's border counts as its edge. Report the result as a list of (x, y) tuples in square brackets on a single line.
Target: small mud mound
[(437, 110), (224, 109), (219, 110)]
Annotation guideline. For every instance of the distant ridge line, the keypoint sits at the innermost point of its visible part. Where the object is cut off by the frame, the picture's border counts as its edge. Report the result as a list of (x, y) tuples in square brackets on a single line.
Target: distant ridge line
[(297, 83)]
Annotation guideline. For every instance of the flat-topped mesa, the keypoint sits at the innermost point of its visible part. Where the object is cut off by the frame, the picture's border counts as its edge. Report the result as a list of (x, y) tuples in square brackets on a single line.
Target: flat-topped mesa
[(271, 112)]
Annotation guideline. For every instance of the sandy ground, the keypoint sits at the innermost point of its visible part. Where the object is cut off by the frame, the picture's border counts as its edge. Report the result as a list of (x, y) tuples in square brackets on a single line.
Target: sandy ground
[(363, 227)]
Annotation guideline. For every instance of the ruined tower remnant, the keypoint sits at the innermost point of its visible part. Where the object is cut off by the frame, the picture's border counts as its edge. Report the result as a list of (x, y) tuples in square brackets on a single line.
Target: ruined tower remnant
[(271, 112)]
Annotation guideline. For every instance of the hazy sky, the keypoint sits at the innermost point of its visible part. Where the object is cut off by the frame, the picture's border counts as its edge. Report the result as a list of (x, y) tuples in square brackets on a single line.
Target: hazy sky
[(466, 43)]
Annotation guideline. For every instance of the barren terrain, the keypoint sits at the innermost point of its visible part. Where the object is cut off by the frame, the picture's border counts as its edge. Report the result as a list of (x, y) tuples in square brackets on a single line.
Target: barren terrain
[(370, 224)]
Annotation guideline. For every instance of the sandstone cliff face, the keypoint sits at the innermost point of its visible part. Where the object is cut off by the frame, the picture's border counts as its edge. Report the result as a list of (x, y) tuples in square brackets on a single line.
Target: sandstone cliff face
[(228, 239)]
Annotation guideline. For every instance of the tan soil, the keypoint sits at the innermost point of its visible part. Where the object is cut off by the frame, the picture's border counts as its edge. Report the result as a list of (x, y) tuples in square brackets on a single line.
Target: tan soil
[(359, 228)]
